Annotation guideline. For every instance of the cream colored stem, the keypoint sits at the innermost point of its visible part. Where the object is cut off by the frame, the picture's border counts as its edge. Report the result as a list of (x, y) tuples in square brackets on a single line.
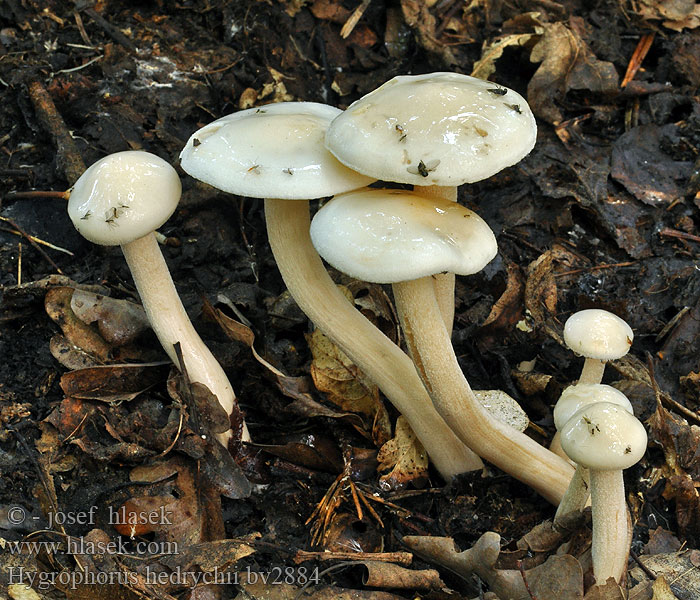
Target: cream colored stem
[(576, 495), (500, 444), (444, 282), (380, 359), (592, 371), (555, 446), (171, 324), (611, 543)]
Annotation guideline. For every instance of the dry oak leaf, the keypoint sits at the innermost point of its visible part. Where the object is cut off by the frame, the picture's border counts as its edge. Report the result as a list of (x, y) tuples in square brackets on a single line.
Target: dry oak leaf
[(405, 456), (346, 386)]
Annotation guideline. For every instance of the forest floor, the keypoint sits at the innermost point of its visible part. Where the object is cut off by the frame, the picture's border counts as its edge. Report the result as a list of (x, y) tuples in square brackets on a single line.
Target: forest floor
[(94, 423)]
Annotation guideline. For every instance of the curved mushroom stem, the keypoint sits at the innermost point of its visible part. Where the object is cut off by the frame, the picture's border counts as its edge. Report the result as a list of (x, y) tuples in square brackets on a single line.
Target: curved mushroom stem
[(380, 359), (508, 449), (171, 324), (592, 371), (611, 531), (576, 495)]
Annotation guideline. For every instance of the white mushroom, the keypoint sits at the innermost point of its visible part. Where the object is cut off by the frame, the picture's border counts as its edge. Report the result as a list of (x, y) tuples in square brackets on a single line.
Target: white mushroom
[(402, 237), (573, 399), (606, 439), (121, 200), (599, 336), (276, 152)]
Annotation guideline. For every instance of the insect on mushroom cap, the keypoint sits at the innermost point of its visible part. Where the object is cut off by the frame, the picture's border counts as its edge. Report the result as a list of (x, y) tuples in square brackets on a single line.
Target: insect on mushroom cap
[(387, 236), (123, 197), (273, 151), (604, 436), (597, 333), (436, 129)]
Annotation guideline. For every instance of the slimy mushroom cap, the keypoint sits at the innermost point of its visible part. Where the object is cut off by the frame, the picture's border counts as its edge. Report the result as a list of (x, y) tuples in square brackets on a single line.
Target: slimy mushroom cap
[(437, 129), (604, 436), (274, 151), (597, 333), (387, 236), (123, 197)]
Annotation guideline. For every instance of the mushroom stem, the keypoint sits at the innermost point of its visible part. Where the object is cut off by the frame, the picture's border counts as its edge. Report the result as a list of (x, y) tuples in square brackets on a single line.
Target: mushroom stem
[(611, 532), (381, 360), (444, 282), (576, 495), (500, 444), (592, 371), (171, 324)]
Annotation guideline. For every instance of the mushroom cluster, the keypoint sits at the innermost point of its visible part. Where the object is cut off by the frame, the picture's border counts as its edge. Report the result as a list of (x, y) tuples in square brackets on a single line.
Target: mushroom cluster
[(601, 435)]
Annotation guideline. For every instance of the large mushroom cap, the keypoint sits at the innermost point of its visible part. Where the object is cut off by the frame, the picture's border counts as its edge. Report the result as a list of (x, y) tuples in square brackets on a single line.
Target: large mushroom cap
[(597, 333), (123, 197), (604, 436), (575, 397), (275, 151), (437, 129), (387, 236)]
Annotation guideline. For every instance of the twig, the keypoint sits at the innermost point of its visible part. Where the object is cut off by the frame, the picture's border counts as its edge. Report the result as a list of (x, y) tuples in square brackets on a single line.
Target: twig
[(597, 268), (112, 32), (681, 235), (68, 155), (638, 56), (402, 558), (37, 240), (30, 239), (649, 573), (354, 18)]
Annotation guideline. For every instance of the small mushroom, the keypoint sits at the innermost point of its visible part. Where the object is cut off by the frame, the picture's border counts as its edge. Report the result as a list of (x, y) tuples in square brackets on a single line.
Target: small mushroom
[(606, 438), (599, 336), (251, 153), (573, 399), (121, 200)]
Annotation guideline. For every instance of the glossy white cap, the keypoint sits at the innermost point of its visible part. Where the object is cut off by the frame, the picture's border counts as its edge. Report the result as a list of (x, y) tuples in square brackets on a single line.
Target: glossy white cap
[(274, 151), (597, 333), (387, 236), (575, 397), (437, 129), (123, 197), (604, 436)]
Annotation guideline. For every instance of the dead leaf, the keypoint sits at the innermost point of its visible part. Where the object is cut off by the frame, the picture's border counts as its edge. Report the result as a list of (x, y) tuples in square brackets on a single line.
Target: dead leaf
[(69, 355), (390, 576), (257, 588), (308, 450), (346, 387), (644, 169), (676, 14), (57, 303), (677, 568), (609, 591), (405, 456), (419, 18), (566, 63), (661, 589), (559, 577), (493, 50), (113, 383), (119, 322)]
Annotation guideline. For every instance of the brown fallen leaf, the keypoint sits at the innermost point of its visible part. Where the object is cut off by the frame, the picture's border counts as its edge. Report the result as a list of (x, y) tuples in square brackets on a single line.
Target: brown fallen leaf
[(308, 450), (113, 383), (677, 568), (118, 321), (57, 305), (609, 591), (406, 458), (566, 63), (390, 576), (493, 49), (346, 387), (681, 445), (69, 355), (418, 16), (257, 587)]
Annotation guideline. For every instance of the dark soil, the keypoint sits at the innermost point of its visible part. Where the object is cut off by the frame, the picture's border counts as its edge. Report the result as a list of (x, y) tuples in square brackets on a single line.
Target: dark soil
[(603, 213)]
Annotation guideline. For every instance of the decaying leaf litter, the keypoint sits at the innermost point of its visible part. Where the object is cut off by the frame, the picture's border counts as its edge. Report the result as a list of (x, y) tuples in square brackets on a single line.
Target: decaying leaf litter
[(601, 214)]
